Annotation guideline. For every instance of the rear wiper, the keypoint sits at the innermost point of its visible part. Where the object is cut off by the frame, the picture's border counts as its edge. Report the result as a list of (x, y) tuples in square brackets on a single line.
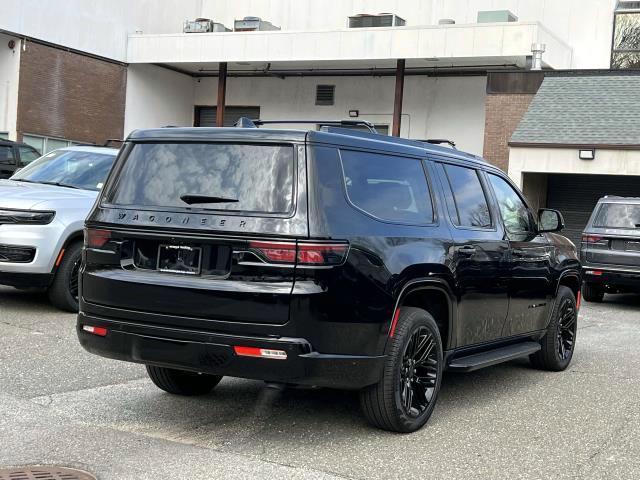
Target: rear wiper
[(193, 199)]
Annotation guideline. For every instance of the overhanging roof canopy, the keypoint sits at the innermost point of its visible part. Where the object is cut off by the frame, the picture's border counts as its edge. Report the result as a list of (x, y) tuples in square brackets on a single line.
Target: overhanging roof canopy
[(488, 43), (597, 110)]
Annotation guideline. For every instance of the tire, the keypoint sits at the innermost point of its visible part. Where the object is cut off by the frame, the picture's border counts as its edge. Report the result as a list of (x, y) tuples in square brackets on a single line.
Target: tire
[(179, 382), (558, 344), (63, 292), (385, 403), (592, 293)]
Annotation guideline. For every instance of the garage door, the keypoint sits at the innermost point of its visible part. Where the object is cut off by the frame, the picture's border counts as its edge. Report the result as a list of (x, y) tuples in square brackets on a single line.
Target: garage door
[(576, 196)]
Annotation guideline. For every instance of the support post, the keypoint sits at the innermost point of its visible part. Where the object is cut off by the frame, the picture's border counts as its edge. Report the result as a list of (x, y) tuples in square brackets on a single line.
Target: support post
[(222, 92), (397, 103)]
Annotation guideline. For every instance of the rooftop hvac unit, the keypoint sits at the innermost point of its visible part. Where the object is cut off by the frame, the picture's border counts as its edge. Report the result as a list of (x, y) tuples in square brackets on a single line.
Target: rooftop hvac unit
[(253, 24), (365, 20), (496, 16), (203, 25)]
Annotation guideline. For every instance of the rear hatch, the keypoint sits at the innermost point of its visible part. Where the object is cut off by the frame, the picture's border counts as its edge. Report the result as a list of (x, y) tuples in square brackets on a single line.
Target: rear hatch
[(201, 230), (614, 236)]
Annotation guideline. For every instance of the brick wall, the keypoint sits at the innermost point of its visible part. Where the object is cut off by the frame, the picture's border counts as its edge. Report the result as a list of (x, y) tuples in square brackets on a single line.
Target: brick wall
[(502, 115), (69, 95)]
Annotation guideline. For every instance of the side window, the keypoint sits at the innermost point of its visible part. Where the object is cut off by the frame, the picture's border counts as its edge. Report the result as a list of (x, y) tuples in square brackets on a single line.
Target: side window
[(471, 206), (27, 155), (389, 188), (514, 212), (6, 154)]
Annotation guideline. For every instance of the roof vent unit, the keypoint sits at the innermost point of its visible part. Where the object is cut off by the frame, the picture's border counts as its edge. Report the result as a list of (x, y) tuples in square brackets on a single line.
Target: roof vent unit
[(626, 5), (496, 16), (203, 25), (253, 24), (365, 20)]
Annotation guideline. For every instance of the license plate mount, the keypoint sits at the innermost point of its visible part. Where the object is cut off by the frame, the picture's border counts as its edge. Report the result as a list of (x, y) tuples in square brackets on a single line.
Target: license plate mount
[(180, 259)]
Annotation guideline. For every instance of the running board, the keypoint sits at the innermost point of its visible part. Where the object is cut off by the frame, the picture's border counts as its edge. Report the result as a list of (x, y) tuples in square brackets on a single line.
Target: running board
[(492, 357)]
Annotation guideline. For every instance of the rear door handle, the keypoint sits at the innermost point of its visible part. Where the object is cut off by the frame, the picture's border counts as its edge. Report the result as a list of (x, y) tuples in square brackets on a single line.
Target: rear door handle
[(467, 250)]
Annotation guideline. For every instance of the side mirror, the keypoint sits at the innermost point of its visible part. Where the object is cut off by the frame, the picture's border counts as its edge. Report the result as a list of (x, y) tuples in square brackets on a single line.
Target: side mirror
[(549, 220)]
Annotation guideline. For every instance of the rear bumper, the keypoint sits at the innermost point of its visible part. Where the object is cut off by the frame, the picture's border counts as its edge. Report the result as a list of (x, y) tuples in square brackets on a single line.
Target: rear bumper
[(214, 354), (611, 277)]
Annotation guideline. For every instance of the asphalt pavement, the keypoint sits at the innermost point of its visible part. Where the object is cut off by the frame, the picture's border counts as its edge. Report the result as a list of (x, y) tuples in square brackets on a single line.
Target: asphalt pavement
[(62, 406)]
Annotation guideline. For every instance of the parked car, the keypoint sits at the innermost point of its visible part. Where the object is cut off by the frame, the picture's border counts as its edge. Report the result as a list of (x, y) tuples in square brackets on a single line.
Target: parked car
[(42, 212), (610, 250), (330, 258), (14, 156)]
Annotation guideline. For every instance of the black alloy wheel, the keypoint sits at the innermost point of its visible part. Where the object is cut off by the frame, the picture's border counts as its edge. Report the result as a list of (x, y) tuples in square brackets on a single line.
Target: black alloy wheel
[(419, 372), (74, 278), (404, 398), (567, 325), (559, 342)]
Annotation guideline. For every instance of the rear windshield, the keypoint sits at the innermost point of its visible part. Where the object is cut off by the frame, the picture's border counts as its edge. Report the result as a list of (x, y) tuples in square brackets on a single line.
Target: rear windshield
[(618, 215), (230, 177)]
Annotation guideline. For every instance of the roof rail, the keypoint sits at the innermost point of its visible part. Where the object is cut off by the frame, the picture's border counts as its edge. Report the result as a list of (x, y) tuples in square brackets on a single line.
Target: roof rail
[(112, 140), (440, 141), (244, 122)]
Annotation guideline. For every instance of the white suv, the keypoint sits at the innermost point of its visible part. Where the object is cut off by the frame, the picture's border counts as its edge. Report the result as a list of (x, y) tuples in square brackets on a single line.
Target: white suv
[(42, 213)]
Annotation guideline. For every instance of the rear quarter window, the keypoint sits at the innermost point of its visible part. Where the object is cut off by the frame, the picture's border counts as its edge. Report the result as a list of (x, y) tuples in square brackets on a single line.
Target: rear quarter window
[(242, 177), (389, 188)]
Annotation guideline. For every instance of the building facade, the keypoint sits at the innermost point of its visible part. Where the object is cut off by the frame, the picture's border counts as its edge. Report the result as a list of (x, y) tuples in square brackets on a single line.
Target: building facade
[(76, 71)]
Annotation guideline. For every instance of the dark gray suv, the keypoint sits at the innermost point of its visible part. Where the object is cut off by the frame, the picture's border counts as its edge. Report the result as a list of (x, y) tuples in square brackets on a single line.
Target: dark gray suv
[(610, 252)]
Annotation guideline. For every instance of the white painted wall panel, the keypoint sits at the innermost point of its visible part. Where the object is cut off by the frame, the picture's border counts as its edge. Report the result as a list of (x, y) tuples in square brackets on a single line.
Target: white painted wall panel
[(445, 107), (583, 24), (157, 97), (99, 27), (9, 77)]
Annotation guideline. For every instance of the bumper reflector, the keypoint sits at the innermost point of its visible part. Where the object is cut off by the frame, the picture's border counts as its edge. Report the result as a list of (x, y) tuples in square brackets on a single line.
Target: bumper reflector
[(100, 331), (260, 352)]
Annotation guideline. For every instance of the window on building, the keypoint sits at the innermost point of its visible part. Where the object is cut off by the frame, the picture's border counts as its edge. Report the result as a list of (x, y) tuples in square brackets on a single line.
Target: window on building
[(206, 116), (471, 206), (4, 135), (389, 188), (625, 53), (46, 144)]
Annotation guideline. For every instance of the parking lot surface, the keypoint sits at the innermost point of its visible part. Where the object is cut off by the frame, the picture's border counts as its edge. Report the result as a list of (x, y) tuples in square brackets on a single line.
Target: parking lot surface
[(62, 406)]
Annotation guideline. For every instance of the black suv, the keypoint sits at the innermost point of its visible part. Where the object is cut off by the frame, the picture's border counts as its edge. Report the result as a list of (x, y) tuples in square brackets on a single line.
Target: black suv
[(14, 156), (610, 250), (331, 258)]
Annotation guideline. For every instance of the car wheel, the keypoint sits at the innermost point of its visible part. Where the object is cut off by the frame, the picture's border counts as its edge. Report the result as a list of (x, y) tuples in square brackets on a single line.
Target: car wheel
[(63, 292), (592, 293), (406, 395), (179, 382), (559, 342)]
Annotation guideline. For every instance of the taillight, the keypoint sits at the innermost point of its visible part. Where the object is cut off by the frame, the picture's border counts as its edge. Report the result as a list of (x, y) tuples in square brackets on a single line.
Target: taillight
[(96, 238), (312, 254), (592, 238)]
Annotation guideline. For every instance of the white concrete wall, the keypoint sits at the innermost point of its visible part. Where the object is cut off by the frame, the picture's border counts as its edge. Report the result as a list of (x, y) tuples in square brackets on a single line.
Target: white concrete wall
[(99, 27), (583, 24), (157, 97), (443, 107), (566, 160), (9, 76)]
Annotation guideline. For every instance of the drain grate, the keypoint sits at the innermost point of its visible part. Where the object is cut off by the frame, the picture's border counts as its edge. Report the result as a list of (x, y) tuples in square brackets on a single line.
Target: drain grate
[(44, 473)]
